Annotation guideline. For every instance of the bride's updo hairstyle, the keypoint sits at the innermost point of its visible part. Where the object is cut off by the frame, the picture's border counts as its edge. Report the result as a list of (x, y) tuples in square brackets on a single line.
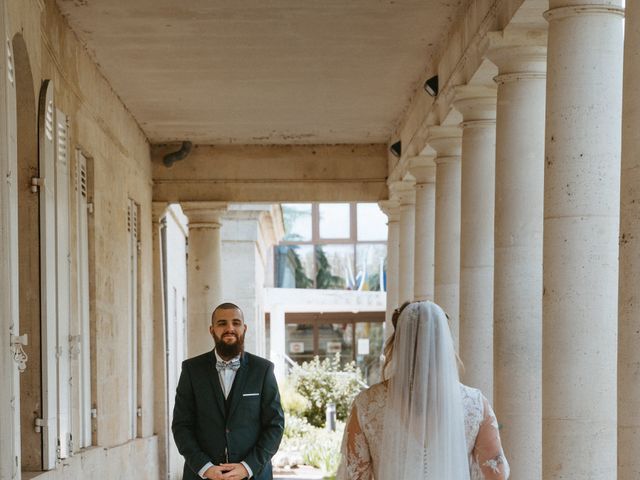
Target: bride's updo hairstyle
[(388, 347)]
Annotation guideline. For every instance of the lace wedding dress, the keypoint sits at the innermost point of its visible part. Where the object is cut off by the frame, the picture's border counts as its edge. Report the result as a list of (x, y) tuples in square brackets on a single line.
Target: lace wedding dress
[(362, 442)]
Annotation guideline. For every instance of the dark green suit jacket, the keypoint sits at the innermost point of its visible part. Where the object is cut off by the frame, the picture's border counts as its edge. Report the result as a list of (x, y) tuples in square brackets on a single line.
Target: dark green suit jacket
[(249, 424)]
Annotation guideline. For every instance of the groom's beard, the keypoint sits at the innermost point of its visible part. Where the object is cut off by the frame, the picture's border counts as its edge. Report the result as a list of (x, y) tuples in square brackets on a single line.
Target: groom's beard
[(229, 350)]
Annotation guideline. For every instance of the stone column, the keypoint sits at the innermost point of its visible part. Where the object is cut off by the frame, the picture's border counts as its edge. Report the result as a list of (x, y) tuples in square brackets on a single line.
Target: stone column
[(581, 220), (447, 142), (246, 244), (629, 301), (404, 191), (423, 170), (478, 108), (204, 272), (392, 209), (160, 404), (521, 59)]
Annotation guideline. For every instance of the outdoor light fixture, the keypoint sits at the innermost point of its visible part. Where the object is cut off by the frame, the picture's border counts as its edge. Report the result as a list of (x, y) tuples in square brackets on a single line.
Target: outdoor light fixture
[(431, 86), (396, 148)]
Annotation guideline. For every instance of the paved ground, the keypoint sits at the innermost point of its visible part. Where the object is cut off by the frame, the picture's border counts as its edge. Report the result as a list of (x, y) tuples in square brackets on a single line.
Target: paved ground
[(302, 472)]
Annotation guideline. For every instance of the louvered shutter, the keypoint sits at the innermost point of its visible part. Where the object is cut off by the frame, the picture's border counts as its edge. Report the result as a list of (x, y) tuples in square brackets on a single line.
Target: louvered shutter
[(84, 354), (63, 285), (9, 393), (46, 138), (132, 227)]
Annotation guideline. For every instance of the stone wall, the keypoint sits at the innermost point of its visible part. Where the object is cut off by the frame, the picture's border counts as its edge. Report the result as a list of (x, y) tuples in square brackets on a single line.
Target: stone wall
[(136, 459), (101, 127)]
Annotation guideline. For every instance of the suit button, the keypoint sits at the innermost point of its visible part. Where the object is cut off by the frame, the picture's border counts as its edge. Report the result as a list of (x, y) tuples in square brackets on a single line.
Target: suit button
[(227, 430)]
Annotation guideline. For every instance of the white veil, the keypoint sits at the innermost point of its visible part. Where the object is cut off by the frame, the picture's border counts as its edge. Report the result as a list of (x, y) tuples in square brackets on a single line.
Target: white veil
[(423, 436)]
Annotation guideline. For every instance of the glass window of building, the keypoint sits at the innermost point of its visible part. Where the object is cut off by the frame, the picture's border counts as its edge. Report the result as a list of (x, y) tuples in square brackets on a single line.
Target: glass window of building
[(334, 221), (372, 223), (297, 221), (340, 246), (355, 337)]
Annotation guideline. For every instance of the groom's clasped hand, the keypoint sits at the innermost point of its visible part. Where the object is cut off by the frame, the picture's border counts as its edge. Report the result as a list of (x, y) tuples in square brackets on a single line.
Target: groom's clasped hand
[(226, 471)]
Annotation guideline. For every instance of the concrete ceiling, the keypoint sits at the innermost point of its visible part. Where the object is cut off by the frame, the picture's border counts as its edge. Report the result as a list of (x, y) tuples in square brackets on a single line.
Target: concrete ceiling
[(265, 71)]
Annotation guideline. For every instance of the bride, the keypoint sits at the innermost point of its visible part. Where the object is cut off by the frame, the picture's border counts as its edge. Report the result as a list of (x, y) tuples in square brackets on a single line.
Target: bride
[(421, 423)]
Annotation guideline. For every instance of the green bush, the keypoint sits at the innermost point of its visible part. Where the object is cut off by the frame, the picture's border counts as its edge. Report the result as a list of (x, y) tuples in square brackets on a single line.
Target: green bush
[(296, 427), (327, 382), (322, 449), (293, 403)]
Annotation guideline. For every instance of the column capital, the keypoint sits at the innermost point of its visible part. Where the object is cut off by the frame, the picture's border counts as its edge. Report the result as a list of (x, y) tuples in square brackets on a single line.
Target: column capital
[(247, 212), (565, 11), (404, 190), (204, 214), (446, 141), (391, 209), (477, 104), (422, 168), (518, 54), (158, 211)]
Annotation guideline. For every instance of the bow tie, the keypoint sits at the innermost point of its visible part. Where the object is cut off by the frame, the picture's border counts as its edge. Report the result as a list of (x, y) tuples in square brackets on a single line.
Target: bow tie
[(232, 365)]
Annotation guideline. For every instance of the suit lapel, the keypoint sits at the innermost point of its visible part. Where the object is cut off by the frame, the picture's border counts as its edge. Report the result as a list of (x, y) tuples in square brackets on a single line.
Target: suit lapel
[(215, 384), (238, 384)]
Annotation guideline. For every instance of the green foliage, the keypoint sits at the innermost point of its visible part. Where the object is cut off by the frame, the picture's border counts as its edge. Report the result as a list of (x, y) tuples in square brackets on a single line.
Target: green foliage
[(297, 428), (322, 449), (327, 382), (302, 281), (293, 403), (316, 446), (324, 278), (373, 283)]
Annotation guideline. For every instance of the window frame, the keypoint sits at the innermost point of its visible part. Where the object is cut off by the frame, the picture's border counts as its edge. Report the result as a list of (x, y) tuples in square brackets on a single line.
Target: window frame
[(316, 240)]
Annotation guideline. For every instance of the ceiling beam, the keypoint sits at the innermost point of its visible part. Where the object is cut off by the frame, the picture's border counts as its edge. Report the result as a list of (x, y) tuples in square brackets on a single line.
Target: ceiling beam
[(273, 173)]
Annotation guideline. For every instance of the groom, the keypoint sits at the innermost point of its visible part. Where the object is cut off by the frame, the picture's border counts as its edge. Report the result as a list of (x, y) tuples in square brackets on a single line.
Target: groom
[(227, 419)]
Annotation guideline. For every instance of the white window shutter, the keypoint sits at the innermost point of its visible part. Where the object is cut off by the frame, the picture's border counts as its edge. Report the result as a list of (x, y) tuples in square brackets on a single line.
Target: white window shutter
[(63, 285), (84, 354), (10, 392), (46, 137), (132, 227)]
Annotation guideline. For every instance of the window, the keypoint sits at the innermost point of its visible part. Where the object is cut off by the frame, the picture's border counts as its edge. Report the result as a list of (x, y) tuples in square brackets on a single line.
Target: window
[(334, 220), (372, 223), (356, 337), (297, 221), (332, 246)]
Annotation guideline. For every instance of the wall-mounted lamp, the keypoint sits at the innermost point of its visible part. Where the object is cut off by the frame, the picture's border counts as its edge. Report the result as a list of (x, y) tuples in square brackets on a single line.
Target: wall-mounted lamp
[(396, 148), (431, 86)]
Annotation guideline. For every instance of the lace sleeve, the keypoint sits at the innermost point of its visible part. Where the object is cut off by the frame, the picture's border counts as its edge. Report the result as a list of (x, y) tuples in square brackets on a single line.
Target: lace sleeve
[(488, 448), (355, 463)]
